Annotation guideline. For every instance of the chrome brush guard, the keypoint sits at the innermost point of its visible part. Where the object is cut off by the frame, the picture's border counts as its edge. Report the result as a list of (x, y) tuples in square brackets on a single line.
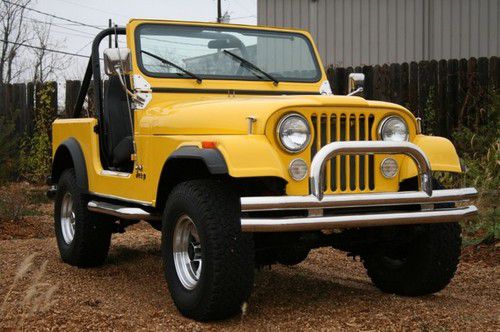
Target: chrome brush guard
[(317, 202)]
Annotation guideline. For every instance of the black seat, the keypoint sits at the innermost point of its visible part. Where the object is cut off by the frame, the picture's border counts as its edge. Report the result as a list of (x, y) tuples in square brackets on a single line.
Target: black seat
[(117, 121)]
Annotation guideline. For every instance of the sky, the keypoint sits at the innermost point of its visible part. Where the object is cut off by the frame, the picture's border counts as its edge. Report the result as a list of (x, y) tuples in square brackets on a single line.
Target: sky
[(77, 39)]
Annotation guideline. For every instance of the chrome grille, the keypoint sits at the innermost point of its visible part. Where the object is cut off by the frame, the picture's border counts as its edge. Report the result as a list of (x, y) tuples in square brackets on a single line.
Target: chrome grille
[(345, 173)]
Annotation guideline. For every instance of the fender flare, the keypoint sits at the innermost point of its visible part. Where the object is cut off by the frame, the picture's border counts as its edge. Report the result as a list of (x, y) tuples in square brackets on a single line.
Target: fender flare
[(213, 158), (72, 147), (441, 153)]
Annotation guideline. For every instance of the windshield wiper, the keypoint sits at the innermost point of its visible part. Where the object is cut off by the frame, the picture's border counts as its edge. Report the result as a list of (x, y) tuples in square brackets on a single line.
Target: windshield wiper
[(250, 65), (166, 62)]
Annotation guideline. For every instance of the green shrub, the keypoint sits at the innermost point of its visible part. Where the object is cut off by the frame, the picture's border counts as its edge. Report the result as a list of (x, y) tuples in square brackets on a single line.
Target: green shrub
[(35, 151), (479, 150)]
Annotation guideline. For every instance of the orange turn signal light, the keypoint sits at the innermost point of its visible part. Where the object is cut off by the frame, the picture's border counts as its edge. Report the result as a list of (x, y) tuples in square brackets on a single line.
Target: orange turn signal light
[(208, 145)]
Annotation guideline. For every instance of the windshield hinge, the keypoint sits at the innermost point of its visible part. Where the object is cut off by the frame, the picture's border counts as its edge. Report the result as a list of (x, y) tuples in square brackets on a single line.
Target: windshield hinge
[(143, 91)]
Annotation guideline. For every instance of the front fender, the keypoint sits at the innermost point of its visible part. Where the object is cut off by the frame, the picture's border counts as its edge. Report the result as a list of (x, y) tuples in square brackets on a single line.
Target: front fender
[(250, 156), (440, 152)]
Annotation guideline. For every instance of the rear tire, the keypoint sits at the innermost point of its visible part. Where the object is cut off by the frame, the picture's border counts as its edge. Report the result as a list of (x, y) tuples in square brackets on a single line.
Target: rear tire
[(83, 238), (208, 261)]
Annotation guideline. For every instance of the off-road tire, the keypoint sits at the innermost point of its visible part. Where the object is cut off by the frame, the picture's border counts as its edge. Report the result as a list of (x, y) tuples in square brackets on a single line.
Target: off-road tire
[(226, 279), (92, 232), (431, 260)]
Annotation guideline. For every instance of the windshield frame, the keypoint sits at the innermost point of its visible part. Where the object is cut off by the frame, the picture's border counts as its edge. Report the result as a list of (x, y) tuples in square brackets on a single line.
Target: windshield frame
[(138, 53)]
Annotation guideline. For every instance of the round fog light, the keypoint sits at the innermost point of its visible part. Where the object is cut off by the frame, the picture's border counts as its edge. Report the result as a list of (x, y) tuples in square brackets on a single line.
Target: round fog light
[(389, 168), (298, 169)]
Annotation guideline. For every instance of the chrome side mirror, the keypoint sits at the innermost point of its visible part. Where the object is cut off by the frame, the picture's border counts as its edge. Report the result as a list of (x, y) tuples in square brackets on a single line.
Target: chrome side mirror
[(117, 61), (356, 82)]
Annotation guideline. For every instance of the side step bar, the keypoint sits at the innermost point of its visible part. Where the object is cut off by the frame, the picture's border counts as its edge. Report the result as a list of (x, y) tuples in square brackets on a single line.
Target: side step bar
[(122, 212), (355, 221)]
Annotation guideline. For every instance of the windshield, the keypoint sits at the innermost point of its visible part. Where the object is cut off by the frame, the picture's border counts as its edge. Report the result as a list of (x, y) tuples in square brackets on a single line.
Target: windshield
[(209, 53)]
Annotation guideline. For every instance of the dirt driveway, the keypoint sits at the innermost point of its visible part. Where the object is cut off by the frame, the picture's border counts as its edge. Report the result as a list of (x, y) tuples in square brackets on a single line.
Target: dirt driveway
[(328, 291)]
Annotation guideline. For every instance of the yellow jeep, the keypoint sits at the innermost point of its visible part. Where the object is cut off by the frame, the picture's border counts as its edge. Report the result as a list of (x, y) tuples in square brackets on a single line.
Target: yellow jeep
[(228, 139)]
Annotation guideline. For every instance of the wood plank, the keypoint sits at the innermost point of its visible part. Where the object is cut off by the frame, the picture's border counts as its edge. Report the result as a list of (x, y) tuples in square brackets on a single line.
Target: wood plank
[(423, 88), (339, 81), (462, 91), (452, 95), (482, 70), (404, 77), (19, 107), (368, 87), (72, 91), (394, 83), (30, 106), (442, 125), (494, 74), (413, 88)]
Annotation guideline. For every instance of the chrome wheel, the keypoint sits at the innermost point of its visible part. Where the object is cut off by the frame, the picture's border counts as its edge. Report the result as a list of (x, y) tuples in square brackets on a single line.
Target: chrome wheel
[(67, 218), (187, 252)]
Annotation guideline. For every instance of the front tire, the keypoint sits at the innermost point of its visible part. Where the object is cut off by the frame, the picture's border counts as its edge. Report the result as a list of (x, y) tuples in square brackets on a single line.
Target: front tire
[(423, 266), (83, 238), (208, 261)]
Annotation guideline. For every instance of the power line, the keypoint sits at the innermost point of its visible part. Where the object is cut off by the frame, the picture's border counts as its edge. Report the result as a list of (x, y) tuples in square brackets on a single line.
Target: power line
[(44, 49), (93, 8), (51, 15), (61, 26)]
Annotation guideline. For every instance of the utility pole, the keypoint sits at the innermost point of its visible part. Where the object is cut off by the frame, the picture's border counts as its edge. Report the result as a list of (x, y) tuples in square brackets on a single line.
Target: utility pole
[(219, 11)]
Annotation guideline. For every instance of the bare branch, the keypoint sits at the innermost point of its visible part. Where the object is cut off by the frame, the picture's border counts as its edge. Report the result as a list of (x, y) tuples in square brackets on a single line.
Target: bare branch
[(12, 29)]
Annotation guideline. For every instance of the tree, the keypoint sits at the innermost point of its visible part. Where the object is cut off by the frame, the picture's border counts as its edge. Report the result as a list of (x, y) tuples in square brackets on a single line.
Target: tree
[(14, 32), (46, 65)]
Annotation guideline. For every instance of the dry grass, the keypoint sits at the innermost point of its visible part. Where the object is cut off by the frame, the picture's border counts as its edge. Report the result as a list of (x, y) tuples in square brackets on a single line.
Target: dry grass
[(37, 295), (14, 201)]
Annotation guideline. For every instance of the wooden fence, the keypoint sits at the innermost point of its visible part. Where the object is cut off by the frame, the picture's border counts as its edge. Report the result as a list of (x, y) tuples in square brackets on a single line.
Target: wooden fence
[(446, 93)]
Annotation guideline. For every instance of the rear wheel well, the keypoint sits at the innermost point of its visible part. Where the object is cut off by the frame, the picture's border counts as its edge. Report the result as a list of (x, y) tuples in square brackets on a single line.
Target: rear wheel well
[(185, 169)]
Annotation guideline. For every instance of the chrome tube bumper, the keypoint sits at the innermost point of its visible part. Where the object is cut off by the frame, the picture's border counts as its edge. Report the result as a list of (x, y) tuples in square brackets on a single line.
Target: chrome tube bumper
[(316, 203)]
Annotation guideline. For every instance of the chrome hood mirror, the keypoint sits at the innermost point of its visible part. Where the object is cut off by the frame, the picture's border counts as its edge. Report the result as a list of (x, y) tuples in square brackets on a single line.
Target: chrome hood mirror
[(117, 61), (356, 82)]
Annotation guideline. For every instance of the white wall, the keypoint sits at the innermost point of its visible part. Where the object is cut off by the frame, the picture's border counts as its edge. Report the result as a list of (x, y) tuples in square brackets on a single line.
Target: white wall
[(369, 32)]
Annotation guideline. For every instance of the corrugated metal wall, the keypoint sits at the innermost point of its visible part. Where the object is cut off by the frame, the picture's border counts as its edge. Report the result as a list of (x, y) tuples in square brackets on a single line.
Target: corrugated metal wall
[(370, 32)]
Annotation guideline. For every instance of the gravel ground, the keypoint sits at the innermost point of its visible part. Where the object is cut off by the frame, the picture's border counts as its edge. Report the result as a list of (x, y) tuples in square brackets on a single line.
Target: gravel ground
[(328, 291)]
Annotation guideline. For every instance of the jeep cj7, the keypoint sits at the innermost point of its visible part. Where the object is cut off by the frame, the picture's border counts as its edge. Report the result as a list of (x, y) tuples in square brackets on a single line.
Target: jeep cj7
[(228, 140)]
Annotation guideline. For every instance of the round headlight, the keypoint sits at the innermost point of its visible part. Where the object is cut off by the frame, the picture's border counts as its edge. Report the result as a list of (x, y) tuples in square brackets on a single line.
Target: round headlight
[(294, 133), (393, 129)]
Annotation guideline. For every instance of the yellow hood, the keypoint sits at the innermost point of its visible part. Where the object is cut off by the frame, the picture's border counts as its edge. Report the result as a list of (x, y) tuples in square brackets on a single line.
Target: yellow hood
[(228, 115)]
